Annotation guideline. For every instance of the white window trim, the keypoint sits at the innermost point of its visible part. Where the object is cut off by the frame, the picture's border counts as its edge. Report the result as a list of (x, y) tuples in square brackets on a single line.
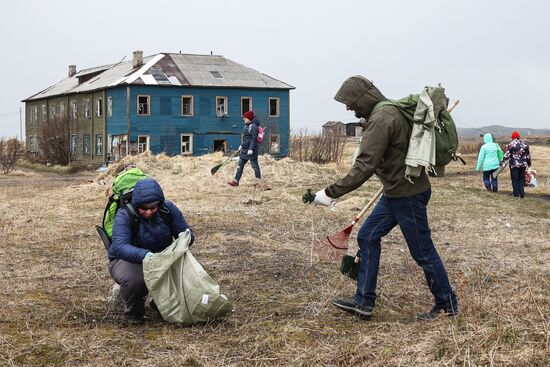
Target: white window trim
[(100, 150), (278, 106), (225, 102), (251, 107), (192, 108), (99, 107), (190, 144), (86, 103)]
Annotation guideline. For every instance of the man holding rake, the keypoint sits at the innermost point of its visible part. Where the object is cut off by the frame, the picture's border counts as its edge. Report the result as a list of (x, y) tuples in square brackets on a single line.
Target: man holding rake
[(383, 149)]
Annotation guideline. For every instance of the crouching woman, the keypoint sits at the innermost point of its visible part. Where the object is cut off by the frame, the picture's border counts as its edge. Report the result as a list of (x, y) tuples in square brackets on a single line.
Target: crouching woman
[(151, 229)]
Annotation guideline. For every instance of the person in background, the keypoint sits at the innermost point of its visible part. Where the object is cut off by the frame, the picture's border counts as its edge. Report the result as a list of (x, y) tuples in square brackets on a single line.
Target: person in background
[(488, 161), (518, 153), (132, 242), (249, 148)]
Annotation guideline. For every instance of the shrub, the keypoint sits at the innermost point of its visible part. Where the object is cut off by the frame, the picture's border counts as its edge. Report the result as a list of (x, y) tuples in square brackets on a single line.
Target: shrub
[(10, 152), (316, 148)]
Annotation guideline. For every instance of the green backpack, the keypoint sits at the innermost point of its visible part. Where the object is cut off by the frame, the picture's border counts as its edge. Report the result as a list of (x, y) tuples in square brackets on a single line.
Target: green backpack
[(446, 137)]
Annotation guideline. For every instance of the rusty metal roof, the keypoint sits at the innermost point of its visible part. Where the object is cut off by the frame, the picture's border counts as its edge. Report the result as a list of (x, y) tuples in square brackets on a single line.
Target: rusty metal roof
[(165, 69)]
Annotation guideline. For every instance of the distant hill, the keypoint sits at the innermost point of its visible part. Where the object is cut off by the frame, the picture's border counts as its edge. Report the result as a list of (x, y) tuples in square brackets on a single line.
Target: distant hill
[(500, 131)]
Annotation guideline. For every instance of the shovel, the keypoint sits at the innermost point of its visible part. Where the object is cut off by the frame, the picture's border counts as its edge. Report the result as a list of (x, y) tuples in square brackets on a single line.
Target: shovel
[(217, 167), (333, 246)]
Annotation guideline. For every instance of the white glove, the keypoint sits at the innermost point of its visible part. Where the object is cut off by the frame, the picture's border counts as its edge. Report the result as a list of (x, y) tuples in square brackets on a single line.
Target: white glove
[(321, 198), (249, 152)]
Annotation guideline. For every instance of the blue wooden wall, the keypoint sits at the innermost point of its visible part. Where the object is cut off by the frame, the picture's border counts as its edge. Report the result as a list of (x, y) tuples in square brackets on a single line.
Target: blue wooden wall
[(165, 123)]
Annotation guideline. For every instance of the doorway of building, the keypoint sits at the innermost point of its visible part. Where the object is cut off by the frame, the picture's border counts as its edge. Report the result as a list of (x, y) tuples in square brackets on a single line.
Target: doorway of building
[(220, 146)]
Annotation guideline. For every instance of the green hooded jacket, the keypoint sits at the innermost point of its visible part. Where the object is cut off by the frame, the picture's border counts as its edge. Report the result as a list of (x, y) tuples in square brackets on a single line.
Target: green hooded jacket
[(384, 144)]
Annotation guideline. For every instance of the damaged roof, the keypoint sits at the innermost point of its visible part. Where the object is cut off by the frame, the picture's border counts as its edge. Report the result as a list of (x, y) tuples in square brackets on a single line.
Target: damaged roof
[(165, 69)]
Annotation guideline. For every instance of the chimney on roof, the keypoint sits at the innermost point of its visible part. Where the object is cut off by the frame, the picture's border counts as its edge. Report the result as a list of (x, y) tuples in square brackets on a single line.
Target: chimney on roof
[(138, 59), (72, 70)]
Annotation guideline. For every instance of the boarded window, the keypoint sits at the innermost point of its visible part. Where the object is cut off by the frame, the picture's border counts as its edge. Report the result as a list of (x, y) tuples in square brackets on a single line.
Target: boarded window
[(165, 106)]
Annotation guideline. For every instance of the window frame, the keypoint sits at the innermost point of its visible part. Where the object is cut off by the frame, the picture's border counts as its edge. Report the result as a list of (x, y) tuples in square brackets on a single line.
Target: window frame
[(109, 106), (192, 101), (250, 107), (98, 144), (74, 144), (148, 105), (52, 110), (190, 152), (99, 107), (44, 112), (278, 150), (278, 106), (86, 144), (86, 105), (74, 109), (225, 104), (147, 143)]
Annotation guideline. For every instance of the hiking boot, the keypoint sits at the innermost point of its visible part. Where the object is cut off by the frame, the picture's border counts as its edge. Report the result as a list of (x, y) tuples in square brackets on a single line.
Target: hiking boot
[(437, 312), (349, 304), (233, 183)]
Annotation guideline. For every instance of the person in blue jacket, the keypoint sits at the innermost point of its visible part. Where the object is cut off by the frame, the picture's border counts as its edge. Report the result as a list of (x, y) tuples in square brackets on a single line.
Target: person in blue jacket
[(153, 232), (488, 161), (249, 148)]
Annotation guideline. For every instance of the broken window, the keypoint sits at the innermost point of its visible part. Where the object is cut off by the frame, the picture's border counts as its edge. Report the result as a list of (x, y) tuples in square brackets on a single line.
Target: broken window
[(187, 105), (246, 104), (186, 144), (216, 74), (273, 106), (274, 143), (143, 143), (99, 107), (143, 105), (221, 106), (86, 103)]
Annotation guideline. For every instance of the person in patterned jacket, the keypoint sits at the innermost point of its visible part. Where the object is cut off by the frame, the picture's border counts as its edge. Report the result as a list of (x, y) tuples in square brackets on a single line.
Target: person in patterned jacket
[(517, 152)]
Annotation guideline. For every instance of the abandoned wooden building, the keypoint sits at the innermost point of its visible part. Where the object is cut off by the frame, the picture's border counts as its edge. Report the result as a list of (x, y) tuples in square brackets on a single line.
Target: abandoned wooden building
[(169, 102)]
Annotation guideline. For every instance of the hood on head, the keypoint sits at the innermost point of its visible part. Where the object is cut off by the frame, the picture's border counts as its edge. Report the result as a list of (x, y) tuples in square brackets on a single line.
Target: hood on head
[(358, 93), (147, 191), (488, 138)]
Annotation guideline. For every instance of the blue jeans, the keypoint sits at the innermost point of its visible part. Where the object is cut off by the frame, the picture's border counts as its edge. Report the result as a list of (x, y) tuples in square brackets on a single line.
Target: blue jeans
[(518, 181), (411, 216), (491, 183), (253, 163)]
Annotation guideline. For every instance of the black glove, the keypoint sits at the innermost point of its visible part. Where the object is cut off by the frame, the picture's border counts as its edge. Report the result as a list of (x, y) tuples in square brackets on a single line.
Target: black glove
[(308, 197)]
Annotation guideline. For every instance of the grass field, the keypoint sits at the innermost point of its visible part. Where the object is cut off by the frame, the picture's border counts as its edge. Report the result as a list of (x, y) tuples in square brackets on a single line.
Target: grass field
[(54, 279)]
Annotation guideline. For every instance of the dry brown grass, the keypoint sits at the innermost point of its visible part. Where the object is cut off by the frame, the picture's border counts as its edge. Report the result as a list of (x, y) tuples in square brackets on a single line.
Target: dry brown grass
[(54, 278)]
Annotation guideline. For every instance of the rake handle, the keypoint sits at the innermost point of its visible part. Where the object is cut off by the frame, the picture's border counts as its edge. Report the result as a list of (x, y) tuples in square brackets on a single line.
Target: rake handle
[(369, 204)]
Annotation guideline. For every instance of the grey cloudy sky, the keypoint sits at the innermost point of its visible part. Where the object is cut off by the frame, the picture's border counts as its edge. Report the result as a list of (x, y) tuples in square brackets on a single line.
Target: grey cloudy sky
[(492, 55)]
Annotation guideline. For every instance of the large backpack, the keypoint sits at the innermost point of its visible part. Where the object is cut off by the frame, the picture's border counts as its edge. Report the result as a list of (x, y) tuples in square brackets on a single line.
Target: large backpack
[(446, 137), (121, 197)]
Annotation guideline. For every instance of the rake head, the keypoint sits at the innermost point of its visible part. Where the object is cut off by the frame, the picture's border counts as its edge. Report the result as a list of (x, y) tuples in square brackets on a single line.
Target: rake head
[(333, 247)]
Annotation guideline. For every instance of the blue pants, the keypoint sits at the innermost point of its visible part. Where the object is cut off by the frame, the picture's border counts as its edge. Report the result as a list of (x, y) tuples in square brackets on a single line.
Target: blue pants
[(253, 163), (518, 181), (491, 183), (411, 216)]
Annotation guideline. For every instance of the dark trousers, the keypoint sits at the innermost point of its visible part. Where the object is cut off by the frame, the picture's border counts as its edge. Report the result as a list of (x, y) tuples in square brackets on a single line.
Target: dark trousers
[(253, 163), (491, 183), (132, 286), (518, 181), (411, 216)]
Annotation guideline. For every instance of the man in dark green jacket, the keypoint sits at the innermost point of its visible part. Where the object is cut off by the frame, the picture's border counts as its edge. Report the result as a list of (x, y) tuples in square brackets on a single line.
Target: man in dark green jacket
[(383, 149)]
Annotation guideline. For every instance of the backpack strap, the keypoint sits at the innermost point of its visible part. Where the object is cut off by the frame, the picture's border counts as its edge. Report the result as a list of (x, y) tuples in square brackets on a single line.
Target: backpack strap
[(163, 211)]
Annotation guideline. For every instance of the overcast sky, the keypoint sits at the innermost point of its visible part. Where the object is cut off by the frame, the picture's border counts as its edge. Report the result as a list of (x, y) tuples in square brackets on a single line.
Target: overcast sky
[(492, 55)]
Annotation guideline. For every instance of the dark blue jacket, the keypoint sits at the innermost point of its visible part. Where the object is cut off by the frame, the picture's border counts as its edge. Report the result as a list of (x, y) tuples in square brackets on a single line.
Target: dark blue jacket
[(154, 234), (250, 134)]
